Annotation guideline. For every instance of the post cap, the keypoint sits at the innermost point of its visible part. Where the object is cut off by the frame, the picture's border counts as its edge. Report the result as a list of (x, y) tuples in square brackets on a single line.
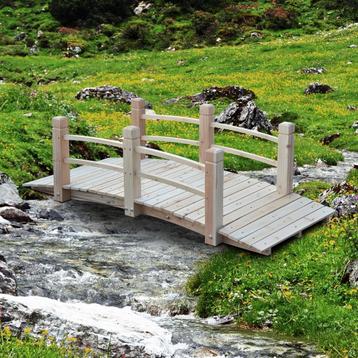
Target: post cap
[(286, 128), (207, 109), (138, 103), (59, 122), (214, 155), (131, 132)]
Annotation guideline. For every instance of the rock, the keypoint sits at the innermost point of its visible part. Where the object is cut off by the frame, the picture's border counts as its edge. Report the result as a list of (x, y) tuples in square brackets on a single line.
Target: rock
[(142, 7), (2, 81), (314, 70), (7, 278), (353, 46), (73, 51), (14, 214), (127, 333), (34, 49), (345, 205), (245, 114), (330, 138), (352, 108), (351, 274), (9, 195), (234, 93), (28, 115), (318, 88), (321, 164), (110, 93), (40, 34), (355, 125), (256, 35), (50, 214), (218, 320), (5, 226), (21, 36)]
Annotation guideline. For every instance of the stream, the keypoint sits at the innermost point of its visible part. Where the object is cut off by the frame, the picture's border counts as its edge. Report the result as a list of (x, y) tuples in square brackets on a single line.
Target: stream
[(89, 271)]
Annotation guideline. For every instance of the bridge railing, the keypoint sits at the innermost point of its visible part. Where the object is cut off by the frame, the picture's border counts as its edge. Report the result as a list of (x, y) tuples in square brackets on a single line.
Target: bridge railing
[(211, 160), (207, 127)]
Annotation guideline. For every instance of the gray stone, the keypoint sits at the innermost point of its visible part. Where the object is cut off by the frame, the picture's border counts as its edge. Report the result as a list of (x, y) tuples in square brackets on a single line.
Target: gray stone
[(314, 70), (21, 36), (9, 194), (351, 274), (345, 205), (50, 214), (142, 7), (110, 93), (245, 114), (317, 87), (14, 214), (7, 278)]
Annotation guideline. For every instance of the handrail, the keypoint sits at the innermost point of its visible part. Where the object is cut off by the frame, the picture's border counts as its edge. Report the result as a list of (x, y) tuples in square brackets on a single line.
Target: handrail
[(248, 155), (91, 163), (81, 138), (171, 140), (159, 117), (169, 156), (245, 131), (174, 183)]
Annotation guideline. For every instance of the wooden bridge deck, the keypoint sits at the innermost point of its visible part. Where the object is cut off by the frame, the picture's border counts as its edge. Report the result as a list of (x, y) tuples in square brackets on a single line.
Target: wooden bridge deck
[(256, 217)]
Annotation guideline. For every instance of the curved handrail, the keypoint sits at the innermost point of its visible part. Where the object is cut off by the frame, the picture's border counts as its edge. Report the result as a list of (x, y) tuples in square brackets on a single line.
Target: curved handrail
[(169, 156), (81, 138), (92, 163), (171, 140), (248, 155), (160, 117), (174, 183), (245, 131)]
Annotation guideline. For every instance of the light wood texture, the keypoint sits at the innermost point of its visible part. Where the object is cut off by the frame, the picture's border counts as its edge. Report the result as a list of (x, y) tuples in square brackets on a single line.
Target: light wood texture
[(81, 138), (206, 131), (158, 117), (137, 112), (171, 140), (245, 131), (91, 163), (255, 216), (61, 150), (214, 195), (131, 164), (169, 156), (285, 158), (248, 155)]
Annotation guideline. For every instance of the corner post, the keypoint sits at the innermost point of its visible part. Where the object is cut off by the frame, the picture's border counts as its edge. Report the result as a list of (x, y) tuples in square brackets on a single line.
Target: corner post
[(137, 112), (61, 151), (285, 167), (205, 129), (131, 165), (214, 195)]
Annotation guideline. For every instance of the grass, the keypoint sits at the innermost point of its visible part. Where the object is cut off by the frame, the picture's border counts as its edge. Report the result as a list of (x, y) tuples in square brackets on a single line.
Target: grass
[(298, 290), (270, 69), (41, 347)]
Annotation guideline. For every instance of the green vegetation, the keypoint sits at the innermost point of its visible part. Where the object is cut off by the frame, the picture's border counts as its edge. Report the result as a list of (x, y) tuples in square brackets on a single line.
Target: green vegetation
[(110, 26), (44, 346), (271, 70), (297, 291)]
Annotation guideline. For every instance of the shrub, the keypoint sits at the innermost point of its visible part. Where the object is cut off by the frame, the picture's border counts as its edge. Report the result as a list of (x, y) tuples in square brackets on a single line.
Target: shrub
[(90, 12), (205, 23), (198, 4), (279, 18)]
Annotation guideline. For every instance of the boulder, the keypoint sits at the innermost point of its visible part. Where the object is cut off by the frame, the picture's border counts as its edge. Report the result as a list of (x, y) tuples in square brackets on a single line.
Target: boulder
[(314, 70), (142, 7), (330, 138), (7, 278), (21, 36), (246, 114), (50, 214), (233, 93), (14, 214), (351, 274), (9, 194), (110, 93), (127, 333), (345, 205), (317, 87)]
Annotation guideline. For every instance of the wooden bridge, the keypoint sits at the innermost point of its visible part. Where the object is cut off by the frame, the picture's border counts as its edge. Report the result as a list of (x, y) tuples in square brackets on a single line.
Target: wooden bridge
[(201, 196)]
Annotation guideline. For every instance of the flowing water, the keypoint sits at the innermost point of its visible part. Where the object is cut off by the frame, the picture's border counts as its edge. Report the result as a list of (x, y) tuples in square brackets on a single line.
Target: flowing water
[(97, 255)]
